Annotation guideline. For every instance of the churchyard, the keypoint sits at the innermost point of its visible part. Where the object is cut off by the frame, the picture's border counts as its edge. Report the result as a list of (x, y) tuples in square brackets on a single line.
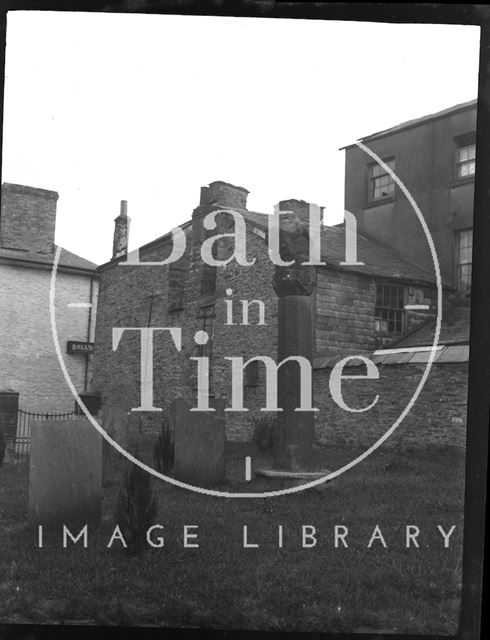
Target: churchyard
[(223, 584)]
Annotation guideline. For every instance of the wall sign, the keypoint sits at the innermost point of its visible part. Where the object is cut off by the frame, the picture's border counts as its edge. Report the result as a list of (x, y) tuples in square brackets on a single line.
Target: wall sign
[(79, 347)]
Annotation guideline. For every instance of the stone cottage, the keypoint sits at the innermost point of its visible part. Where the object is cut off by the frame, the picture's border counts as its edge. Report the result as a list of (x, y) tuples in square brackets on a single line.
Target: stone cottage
[(357, 309)]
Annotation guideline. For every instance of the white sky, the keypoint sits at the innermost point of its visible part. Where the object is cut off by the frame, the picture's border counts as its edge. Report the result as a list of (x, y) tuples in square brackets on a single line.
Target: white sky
[(146, 108)]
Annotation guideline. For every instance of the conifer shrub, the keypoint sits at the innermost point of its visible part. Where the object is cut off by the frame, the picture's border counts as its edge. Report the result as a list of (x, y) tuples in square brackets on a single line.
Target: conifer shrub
[(163, 452), (136, 507), (265, 429)]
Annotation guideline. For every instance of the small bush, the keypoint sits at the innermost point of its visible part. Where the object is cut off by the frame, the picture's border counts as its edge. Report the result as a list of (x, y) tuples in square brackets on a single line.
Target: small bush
[(264, 432), (3, 446), (163, 452), (136, 508)]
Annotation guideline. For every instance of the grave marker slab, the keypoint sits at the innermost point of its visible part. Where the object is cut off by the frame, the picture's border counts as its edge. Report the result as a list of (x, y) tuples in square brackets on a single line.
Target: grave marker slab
[(65, 472), (199, 439)]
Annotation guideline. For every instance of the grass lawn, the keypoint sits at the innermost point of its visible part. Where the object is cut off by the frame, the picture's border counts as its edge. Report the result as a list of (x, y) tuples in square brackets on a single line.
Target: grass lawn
[(223, 585)]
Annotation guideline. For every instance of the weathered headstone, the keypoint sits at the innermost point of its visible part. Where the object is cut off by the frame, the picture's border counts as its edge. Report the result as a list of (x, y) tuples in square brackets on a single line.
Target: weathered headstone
[(199, 442), (65, 472)]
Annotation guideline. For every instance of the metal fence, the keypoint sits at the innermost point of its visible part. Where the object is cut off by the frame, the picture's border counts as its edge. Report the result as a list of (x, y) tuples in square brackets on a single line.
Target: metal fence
[(22, 440)]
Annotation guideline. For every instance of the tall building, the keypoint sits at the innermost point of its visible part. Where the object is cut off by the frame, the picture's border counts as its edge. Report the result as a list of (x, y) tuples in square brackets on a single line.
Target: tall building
[(434, 157), (29, 367)]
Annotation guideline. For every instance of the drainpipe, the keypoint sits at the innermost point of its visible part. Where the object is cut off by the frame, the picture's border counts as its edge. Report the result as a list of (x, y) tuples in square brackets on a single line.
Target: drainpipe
[(89, 331)]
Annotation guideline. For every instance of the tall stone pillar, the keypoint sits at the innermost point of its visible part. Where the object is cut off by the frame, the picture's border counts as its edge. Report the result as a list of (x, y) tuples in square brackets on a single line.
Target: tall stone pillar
[(294, 286)]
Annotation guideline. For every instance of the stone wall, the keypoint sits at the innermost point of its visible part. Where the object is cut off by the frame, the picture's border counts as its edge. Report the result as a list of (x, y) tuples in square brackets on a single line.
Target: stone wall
[(173, 296), (437, 417), (125, 299), (344, 312), (133, 296), (246, 283)]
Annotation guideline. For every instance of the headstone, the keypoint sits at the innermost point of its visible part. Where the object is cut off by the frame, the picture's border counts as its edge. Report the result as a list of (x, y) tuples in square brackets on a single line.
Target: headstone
[(199, 443), (65, 472)]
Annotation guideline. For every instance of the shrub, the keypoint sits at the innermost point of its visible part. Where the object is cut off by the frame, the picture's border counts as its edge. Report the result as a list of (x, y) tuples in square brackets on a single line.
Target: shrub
[(136, 507), (264, 432), (3, 446), (163, 452)]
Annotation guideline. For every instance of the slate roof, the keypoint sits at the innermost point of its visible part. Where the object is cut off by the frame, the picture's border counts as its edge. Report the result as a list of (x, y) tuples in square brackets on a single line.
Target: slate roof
[(378, 259), (415, 122), (67, 260)]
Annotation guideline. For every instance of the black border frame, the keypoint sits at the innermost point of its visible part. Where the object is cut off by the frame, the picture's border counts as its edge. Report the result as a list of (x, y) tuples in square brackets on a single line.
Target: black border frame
[(471, 626)]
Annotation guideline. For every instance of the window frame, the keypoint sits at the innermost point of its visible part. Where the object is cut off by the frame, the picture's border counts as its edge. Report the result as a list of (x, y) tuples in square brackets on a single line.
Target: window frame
[(400, 310), (462, 142), (370, 180), (459, 233)]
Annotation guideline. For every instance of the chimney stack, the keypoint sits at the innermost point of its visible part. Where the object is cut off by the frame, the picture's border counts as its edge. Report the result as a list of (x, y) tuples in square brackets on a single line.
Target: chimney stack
[(28, 218), (300, 209), (224, 194), (121, 232)]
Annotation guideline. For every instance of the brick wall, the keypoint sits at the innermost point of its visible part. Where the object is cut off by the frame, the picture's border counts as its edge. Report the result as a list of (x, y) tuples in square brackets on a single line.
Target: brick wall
[(29, 362), (28, 218), (438, 416)]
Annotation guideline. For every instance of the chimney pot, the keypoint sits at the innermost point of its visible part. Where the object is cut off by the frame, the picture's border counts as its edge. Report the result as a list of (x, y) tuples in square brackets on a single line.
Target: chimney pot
[(121, 232)]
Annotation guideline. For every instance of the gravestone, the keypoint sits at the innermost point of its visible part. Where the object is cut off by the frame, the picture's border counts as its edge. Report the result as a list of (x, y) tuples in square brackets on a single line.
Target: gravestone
[(65, 472), (199, 443)]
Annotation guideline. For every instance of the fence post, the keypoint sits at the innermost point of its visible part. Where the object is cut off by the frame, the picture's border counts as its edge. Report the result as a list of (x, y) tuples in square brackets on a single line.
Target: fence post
[(9, 406)]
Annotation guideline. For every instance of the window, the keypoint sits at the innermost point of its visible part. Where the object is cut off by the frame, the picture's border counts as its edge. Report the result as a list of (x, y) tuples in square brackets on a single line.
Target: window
[(252, 374), (390, 308), (465, 148), (464, 246), (208, 274), (465, 161), (381, 184)]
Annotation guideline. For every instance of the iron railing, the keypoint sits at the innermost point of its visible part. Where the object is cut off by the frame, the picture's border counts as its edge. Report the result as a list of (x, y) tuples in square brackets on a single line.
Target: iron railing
[(22, 441)]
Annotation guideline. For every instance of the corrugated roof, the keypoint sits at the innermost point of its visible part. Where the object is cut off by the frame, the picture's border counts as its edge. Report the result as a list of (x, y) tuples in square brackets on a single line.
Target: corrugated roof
[(443, 354)]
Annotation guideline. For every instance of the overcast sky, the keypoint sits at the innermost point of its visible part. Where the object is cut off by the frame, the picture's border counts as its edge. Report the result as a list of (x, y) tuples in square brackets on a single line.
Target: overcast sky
[(146, 108)]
